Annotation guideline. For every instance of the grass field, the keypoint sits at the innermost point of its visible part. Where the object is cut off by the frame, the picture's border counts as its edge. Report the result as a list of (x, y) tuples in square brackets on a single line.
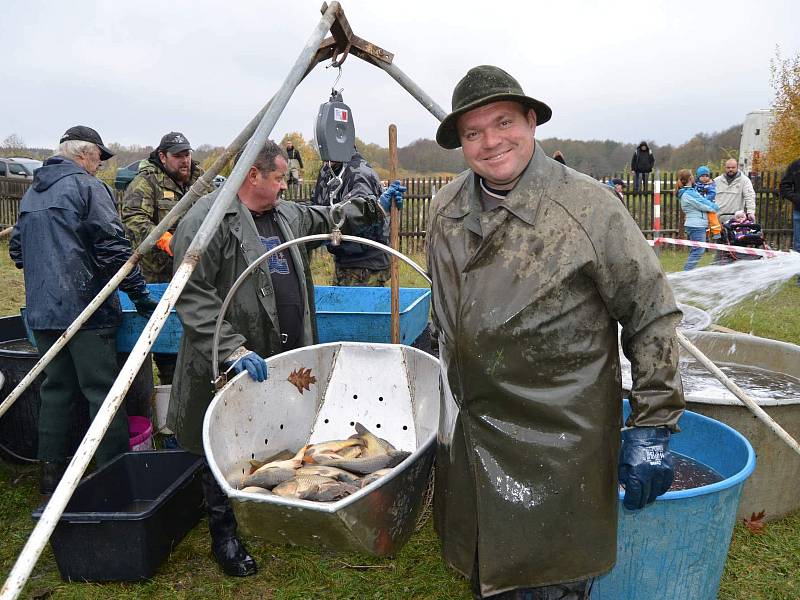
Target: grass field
[(759, 567)]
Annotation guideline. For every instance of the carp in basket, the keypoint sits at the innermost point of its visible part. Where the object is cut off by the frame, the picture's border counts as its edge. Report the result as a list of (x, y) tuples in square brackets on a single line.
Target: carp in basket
[(326, 471)]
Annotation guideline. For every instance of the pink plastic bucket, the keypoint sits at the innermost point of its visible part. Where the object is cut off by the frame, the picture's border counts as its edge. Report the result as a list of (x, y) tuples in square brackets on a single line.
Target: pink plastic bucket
[(141, 433)]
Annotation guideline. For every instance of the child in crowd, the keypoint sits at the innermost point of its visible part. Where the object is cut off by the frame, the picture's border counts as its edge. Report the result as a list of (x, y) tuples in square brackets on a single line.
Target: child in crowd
[(618, 185), (696, 207), (740, 218), (708, 189)]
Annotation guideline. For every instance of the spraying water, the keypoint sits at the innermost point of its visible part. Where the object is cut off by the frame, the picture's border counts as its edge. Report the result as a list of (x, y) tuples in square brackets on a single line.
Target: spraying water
[(718, 288)]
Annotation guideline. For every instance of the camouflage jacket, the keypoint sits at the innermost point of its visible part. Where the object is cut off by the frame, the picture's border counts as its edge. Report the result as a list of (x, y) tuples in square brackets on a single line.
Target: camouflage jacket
[(148, 199)]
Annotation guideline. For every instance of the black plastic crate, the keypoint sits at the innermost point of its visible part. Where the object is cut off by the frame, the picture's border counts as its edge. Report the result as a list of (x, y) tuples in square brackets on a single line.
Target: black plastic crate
[(124, 519)]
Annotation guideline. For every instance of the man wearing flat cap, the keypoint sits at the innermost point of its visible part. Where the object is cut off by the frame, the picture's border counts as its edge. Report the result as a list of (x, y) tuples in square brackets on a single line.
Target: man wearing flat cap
[(534, 266), (163, 178), (69, 241)]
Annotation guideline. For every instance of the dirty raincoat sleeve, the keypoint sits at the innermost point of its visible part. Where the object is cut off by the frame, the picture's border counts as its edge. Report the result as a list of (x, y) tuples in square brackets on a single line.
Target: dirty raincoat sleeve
[(633, 286), (201, 303)]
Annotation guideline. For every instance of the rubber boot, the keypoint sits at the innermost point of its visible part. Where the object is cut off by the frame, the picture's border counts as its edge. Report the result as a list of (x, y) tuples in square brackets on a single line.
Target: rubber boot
[(228, 549), (51, 475)]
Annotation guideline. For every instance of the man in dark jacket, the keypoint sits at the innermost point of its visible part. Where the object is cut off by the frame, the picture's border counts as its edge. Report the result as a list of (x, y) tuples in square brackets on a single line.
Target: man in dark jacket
[(642, 165), (790, 189), (161, 182), (295, 165), (355, 264), (272, 312), (528, 292), (69, 241)]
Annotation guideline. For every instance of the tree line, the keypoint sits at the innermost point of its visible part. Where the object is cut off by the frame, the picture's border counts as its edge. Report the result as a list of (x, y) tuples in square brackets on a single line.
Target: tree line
[(425, 157)]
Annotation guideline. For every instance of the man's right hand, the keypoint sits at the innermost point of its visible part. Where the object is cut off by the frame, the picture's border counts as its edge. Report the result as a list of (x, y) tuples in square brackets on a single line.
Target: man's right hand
[(255, 366)]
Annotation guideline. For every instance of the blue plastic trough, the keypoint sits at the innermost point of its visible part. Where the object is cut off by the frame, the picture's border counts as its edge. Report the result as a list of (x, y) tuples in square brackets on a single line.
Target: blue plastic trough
[(344, 314), (675, 549), (363, 314)]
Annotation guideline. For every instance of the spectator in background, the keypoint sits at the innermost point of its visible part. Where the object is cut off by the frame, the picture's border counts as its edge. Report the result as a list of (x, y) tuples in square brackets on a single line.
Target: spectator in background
[(734, 192), (559, 157), (790, 189), (295, 165), (642, 165), (696, 208)]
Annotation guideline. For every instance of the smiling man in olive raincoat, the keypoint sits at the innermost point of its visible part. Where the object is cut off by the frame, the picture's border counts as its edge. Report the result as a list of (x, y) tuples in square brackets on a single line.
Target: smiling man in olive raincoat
[(534, 265)]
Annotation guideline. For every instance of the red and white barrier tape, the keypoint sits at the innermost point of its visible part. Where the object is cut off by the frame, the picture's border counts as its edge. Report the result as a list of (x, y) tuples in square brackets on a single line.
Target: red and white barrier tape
[(738, 249)]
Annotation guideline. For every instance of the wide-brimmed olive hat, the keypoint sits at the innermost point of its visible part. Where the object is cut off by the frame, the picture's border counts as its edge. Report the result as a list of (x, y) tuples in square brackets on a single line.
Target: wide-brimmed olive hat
[(483, 85)]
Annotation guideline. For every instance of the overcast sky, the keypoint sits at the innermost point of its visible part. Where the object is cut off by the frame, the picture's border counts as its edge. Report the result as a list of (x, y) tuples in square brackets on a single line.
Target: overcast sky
[(626, 71)]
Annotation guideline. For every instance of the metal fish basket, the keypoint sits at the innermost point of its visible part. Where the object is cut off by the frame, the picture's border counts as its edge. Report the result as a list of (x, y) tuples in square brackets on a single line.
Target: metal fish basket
[(393, 390)]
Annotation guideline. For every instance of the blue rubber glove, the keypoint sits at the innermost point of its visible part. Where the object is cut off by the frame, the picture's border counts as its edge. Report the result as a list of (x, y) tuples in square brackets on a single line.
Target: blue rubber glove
[(645, 465), (253, 364), (394, 191), (144, 303)]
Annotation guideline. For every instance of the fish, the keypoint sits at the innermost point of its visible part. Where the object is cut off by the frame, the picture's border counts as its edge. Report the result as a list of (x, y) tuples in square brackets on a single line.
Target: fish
[(373, 445), (254, 489), (332, 446), (301, 486), (332, 472), (269, 477), (256, 464), (329, 492), (363, 466), (272, 473), (365, 481)]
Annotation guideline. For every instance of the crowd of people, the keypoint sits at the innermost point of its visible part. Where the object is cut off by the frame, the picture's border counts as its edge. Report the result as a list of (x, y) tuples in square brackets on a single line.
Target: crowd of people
[(526, 309)]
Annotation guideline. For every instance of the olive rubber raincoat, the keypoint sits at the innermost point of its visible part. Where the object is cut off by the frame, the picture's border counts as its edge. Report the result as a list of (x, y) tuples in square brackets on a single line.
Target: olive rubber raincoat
[(527, 298), (252, 316)]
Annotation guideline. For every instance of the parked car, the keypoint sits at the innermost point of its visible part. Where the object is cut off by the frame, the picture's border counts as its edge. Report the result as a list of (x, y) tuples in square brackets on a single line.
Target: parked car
[(11, 168), (218, 181), (126, 174), (31, 163)]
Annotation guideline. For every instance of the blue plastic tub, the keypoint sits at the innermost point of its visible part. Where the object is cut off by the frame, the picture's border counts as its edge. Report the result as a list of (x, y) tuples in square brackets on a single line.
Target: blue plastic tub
[(344, 314), (167, 342), (676, 548), (363, 314)]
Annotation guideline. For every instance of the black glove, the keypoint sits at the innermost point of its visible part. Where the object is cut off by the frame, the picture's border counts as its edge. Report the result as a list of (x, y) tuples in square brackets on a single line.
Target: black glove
[(645, 465), (144, 303)]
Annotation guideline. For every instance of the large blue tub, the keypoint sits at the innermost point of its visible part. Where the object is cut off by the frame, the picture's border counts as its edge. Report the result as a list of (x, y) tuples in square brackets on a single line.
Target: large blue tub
[(675, 549), (344, 314)]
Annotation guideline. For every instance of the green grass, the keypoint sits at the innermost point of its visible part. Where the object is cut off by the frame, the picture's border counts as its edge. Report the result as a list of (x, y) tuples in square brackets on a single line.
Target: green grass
[(759, 567)]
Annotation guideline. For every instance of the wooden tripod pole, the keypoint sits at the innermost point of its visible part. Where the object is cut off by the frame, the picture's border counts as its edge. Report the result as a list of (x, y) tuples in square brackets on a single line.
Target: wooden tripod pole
[(394, 238)]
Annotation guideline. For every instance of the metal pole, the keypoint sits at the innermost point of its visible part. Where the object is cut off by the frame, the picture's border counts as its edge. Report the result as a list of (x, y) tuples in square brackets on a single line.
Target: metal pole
[(199, 188), (413, 89), (738, 392), (55, 507), (394, 239), (317, 237)]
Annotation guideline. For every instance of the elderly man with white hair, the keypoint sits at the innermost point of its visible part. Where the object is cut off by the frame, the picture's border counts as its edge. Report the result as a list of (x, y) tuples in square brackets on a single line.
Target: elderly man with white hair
[(69, 241)]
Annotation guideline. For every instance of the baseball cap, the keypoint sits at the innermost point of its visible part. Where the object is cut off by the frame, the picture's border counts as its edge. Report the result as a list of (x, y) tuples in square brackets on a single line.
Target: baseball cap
[(174, 142), (81, 133)]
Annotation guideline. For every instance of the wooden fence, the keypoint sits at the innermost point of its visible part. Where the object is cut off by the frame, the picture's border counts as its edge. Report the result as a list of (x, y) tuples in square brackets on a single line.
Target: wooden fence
[(774, 214)]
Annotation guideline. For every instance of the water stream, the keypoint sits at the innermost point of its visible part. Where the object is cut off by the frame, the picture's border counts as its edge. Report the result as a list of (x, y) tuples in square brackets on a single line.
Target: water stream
[(718, 288)]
